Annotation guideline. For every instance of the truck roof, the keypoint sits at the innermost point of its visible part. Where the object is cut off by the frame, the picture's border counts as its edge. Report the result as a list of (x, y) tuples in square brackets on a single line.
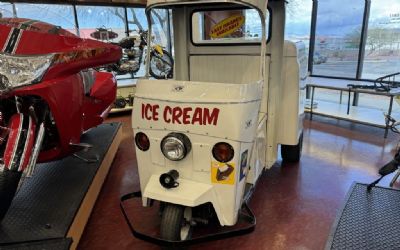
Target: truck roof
[(258, 4)]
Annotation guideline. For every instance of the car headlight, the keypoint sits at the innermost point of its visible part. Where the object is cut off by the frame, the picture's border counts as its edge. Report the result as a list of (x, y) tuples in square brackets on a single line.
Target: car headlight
[(175, 146), (17, 71)]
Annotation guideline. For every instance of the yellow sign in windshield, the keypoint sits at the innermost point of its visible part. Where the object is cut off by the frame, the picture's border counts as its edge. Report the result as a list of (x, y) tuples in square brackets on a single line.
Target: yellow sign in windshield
[(227, 26)]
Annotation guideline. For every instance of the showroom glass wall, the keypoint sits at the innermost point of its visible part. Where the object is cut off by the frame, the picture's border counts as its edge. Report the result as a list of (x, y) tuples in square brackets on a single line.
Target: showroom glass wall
[(298, 21), (358, 39), (83, 20), (382, 48), (337, 38)]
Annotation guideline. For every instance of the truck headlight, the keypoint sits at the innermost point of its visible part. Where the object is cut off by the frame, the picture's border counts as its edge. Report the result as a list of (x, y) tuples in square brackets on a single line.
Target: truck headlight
[(175, 146), (17, 71)]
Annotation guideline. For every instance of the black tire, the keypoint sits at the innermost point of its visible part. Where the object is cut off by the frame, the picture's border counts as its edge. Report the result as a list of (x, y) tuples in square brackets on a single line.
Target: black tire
[(172, 222), (8, 187), (292, 153), (167, 58), (120, 103)]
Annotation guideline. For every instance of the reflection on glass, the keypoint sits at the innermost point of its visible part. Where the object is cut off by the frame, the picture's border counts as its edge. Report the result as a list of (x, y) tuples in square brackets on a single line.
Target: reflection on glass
[(160, 34), (101, 23), (6, 10), (338, 36), (59, 15), (382, 52), (137, 19), (298, 21)]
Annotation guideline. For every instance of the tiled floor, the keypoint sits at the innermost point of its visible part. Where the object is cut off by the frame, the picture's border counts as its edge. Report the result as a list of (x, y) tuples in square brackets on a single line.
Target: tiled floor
[(295, 205)]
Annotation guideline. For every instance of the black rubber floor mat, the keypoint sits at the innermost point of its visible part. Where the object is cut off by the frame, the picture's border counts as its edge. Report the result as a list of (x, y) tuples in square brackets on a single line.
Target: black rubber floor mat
[(369, 220), (47, 203), (56, 244)]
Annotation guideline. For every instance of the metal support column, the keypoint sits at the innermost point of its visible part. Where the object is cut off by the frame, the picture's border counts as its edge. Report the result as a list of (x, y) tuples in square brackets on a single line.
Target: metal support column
[(312, 102), (126, 22), (76, 20), (348, 102), (363, 39), (356, 96), (389, 114), (14, 9), (312, 35), (308, 91), (169, 33), (363, 42)]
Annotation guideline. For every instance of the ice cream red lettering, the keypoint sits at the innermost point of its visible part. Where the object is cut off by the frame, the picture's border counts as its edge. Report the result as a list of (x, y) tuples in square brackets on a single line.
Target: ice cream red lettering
[(146, 111), (197, 116), (176, 114), (210, 118), (186, 116), (155, 112), (167, 113)]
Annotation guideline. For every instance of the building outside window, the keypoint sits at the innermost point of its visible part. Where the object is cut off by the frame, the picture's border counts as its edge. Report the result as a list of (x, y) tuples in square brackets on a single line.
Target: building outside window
[(382, 51), (338, 35), (298, 21)]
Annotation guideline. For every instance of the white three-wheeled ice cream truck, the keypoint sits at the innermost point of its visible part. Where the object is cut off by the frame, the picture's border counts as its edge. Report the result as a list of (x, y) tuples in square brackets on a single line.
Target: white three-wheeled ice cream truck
[(204, 138)]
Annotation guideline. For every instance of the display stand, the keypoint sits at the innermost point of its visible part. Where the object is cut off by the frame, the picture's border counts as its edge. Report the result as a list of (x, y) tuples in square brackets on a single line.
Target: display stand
[(52, 208)]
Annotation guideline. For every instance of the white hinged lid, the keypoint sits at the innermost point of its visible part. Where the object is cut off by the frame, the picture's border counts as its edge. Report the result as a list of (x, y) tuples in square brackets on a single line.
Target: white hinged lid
[(198, 92)]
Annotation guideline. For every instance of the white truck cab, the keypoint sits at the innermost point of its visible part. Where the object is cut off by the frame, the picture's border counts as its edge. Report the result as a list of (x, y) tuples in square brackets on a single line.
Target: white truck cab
[(204, 138)]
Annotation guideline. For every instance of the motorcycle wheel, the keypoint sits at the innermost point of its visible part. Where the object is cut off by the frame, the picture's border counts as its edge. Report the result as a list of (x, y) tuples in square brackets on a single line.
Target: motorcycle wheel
[(9, 181), (120, 102), (161, 67)]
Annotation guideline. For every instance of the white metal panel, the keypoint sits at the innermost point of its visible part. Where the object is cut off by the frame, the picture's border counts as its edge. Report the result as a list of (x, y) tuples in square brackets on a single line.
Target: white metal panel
[(201, 157), (275, 80), (291, 102), (234, 121), (156, 155), (258, 153), (198, 92), (195, 187), (193, 193), (225, 68)]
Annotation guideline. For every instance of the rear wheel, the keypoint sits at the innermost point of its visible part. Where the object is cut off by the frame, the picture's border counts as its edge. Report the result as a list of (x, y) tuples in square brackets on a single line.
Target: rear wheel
[(292, 153), (175, 223)]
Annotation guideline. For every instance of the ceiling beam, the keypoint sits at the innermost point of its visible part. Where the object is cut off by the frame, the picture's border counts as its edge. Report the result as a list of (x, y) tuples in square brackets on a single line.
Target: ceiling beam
[(88, 2)]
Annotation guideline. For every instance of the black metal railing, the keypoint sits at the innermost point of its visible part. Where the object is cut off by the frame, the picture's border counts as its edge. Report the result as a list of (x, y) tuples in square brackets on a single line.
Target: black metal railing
[(388, 82)]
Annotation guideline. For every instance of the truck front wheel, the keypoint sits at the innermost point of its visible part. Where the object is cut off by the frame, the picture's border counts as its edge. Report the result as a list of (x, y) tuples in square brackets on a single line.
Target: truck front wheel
[(292, 153), (175, 224)]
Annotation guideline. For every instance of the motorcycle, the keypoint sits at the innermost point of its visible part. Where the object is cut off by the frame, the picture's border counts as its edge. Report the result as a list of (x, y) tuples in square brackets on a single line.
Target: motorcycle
[(134, 47), (49, 96)]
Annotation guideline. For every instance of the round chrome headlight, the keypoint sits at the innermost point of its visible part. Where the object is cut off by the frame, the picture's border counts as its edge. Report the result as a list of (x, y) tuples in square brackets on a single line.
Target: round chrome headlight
[(175, 146)]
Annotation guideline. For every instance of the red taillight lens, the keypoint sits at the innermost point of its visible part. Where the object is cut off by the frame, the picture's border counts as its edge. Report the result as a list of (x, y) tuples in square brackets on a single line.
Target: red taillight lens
[(142, 141), (223, 152)]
